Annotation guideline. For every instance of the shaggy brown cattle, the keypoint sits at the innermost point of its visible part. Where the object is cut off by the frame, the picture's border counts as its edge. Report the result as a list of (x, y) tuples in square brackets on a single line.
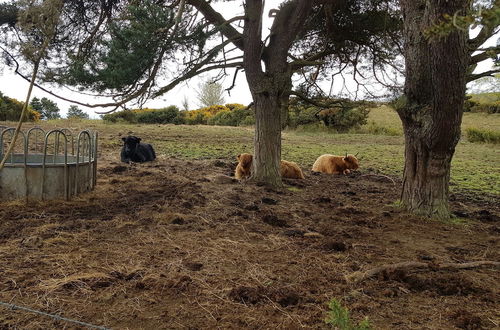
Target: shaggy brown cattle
[(244, 166), (332, 164), (288, 169)]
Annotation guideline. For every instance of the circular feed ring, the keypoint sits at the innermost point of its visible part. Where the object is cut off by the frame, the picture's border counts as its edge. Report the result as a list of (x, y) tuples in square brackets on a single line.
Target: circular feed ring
[(48, 164)]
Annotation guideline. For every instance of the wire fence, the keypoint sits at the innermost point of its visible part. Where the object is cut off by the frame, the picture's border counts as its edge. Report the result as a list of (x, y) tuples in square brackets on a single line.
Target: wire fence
[(54, 316)]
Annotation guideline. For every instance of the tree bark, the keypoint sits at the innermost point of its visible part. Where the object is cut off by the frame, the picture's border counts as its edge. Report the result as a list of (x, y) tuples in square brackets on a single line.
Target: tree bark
[(433, 104), (267, 141), (270, 87)]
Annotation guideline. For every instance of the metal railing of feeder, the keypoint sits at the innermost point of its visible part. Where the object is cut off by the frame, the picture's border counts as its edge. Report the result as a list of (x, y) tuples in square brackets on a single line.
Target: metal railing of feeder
[(86, 154)]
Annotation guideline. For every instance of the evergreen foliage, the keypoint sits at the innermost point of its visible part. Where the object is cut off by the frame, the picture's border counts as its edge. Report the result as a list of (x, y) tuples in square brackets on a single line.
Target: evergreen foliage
[(75, 112), (46, 107), (339, 114)]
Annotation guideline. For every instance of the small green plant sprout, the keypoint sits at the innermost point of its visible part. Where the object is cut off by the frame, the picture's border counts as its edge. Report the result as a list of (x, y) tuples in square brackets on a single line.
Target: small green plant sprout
[(338, 317)]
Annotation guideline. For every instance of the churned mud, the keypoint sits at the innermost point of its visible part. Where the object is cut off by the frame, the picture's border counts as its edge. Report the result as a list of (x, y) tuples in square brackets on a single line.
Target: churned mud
[(181, 244)]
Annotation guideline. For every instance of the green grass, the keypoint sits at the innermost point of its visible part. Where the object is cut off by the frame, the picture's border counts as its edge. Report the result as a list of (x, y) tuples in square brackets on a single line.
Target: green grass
[(483, 135), (383, 120), (479, 120), (485, 97), (475, 166), (339, 318)]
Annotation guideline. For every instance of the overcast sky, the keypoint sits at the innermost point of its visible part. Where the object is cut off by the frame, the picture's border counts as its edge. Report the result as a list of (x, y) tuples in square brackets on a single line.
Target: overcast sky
[(14, 86)]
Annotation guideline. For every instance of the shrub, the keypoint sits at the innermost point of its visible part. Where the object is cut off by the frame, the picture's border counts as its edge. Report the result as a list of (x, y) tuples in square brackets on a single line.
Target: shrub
[(249, 120), (342, 115), (344, 118), (179, 119), (161, 116), (233, 116), (303, 116), (482, 136), (10, 110), (339, 318), (235, 106), (128, 116), (222, 118), (486, 107), (228, 115), (469, 103), (201, 116)]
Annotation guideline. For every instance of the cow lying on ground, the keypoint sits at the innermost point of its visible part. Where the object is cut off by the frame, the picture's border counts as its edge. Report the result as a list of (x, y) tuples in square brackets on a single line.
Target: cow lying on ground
[(288, 169), (332, 164), (135, 151)]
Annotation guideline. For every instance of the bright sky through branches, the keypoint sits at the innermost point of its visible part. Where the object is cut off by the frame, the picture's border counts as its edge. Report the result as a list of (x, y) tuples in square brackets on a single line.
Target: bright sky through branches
[(14, 86)]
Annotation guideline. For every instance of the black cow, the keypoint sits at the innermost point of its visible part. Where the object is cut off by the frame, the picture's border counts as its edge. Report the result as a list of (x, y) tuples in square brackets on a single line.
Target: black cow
[(135, 151)]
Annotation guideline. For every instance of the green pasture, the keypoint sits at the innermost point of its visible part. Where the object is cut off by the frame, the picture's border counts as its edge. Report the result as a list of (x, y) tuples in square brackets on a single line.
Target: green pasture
[(486, 97), (475, 167)]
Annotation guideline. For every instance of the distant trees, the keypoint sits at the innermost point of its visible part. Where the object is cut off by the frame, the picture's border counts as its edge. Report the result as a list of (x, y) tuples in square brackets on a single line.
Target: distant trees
[(75, 112), (185, 103), (210, 93), (47, 108)]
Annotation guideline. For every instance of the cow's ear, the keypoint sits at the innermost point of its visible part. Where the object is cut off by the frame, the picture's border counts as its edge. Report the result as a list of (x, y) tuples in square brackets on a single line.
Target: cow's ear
[(138, 139), (238, 157), (124, 139)]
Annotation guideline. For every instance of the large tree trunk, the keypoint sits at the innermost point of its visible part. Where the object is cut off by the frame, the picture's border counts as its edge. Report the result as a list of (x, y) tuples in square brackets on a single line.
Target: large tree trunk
[(267, 142), (271, 87), (432, 109)]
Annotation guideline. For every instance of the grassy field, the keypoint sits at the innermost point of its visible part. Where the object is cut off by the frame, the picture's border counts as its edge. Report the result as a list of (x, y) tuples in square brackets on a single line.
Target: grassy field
[(386, 119), (474, 167), (486, 97)]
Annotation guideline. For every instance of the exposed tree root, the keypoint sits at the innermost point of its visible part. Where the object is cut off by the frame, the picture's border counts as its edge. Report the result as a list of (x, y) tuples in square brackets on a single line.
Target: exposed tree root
[(381, 175), (361, 276)]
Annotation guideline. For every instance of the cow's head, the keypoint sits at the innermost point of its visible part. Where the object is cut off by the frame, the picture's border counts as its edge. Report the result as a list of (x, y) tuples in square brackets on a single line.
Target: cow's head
[(245, 160), (130, 144), (351, 161)]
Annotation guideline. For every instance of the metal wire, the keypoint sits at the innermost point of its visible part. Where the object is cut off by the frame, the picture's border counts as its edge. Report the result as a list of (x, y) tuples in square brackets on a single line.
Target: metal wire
[(54, 316)]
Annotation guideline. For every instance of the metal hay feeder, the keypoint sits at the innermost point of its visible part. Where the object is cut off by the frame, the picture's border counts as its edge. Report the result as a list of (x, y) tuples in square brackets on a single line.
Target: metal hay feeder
[(48, 165)]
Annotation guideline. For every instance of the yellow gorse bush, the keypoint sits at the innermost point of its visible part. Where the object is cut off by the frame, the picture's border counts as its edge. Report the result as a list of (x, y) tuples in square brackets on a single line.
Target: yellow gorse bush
[(201, 116)]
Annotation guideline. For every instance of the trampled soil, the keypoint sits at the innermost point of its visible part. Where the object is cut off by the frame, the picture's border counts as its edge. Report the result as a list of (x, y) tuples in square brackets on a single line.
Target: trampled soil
[(179, 244)]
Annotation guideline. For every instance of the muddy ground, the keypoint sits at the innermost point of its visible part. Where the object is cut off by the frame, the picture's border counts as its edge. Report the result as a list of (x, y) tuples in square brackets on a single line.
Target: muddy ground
[(178, 244)]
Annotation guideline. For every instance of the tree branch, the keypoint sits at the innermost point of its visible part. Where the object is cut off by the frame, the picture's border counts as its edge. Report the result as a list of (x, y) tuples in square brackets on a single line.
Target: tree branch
[(196, 69), (218, 20), (485, 33), (314, 102), (361, 276), (234, 81), (486, 54), (289, 21), (252, 32), (490, 73)]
